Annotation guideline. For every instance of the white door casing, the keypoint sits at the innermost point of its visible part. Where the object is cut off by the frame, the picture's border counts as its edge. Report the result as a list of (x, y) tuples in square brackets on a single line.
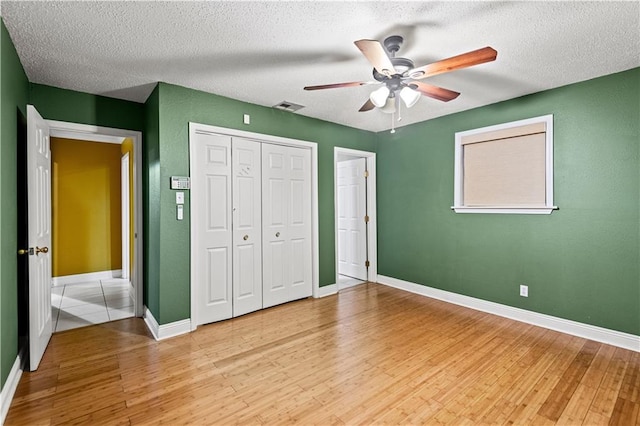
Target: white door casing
[(247, 225), (91, 133), (286, 218), (124, 194), (211, 181), (39, 222), (352, 205)]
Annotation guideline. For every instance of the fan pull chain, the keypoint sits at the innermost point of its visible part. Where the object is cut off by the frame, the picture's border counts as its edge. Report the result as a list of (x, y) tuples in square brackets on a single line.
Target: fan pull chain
[(399, 106), (393, 122)]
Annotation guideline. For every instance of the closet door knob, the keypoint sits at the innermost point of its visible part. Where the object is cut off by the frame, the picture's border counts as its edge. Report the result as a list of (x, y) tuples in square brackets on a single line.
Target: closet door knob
[(277, 234), (246, 237)]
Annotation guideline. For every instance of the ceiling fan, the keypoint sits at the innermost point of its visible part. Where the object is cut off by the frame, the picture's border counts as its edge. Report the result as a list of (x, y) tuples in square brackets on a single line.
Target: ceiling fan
[(400, 78)]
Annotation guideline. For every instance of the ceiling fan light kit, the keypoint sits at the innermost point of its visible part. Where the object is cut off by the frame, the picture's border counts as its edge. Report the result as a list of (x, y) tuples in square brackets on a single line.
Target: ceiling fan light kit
[(379, 96), (399, 76), (389, 107), (409, 96)]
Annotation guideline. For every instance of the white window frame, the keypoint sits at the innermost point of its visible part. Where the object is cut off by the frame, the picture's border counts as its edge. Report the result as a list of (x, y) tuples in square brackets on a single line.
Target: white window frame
[(547, 208)]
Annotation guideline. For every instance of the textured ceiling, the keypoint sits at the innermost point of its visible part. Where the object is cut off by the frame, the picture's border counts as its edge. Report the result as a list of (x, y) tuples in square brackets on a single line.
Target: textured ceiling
[(266, 52)]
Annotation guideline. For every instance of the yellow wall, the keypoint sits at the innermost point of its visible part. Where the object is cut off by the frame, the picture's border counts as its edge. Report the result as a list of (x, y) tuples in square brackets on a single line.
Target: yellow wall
[(86, 212), (127, 146)]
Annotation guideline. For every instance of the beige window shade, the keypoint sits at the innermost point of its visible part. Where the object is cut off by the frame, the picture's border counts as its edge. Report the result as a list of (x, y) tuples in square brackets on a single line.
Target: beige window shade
[(507, 170), (510, 132)]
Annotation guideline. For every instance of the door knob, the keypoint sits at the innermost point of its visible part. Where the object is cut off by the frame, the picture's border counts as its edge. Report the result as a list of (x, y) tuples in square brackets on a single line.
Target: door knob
[(277, 234), (23, 251), (41, 250), (246, 237)]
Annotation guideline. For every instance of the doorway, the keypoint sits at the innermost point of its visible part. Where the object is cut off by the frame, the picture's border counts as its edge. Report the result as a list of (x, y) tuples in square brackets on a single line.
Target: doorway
[(80, 299), (355, 217), (91, 232)]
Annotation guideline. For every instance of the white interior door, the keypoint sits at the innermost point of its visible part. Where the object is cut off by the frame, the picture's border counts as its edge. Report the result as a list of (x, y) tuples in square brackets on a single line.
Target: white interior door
[(39, 222), (352, 202), (124, 193), (286, 223), (247, 226), (211, 185)]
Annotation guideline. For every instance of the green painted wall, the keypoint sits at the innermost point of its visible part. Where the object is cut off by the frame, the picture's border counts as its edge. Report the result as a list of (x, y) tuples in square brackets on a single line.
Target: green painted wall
[(177, 107), (581, 262), (3, 375), (14, 91), (77, 107), (151, 202)]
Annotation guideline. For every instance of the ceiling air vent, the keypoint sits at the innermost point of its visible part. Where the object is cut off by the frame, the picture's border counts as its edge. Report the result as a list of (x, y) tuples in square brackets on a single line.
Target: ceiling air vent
[(288, 106)]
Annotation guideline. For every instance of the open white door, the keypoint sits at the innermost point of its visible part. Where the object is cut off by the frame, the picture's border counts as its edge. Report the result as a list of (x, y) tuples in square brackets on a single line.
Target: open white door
[(124, 184), (352, 205), (39, 199)]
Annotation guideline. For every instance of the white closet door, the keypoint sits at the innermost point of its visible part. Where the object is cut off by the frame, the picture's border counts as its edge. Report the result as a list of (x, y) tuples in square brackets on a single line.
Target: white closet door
[(286, 223), (213, 260), (352, 233), (299, 226), (247, 226)]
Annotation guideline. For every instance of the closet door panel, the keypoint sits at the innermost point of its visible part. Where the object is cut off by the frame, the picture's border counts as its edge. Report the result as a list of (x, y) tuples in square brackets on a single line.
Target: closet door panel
[(217, 272), (247, 226), (212, 182), (286, 223), (299, 224), (276, 274)]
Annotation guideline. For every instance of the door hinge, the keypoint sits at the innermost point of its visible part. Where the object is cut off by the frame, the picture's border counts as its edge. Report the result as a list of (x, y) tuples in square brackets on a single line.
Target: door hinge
[(366, 173), (366, 219), (366, 263)]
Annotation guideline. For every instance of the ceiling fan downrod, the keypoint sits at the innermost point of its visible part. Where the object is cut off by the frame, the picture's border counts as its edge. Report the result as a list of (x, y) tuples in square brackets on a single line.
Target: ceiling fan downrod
[(392, 44)]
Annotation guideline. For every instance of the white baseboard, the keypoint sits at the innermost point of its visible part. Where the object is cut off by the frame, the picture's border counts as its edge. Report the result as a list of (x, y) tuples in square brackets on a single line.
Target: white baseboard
[(574, 328), (165, 331), (327, 290), (83, 278), (9, 388)]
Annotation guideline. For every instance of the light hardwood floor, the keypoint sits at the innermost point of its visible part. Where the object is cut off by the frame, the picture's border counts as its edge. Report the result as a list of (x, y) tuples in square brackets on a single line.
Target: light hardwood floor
[(371, 355)]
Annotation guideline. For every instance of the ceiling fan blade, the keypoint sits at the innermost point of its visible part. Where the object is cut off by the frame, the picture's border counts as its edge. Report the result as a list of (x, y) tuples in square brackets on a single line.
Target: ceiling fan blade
[(469, 59), (338, 85), (368, 106), (434, 92), (375, 53)]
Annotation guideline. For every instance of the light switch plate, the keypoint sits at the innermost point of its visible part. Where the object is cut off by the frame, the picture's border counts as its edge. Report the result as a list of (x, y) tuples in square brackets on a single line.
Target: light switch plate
[(180, 212), (246, 119), (180, 197)]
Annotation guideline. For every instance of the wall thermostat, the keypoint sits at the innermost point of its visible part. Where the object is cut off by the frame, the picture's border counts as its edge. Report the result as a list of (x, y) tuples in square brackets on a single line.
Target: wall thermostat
[(180, 182)]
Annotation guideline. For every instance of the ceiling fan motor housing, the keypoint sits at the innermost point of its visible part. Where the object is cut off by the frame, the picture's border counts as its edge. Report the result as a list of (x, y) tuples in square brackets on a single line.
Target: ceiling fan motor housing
[(401, 65)]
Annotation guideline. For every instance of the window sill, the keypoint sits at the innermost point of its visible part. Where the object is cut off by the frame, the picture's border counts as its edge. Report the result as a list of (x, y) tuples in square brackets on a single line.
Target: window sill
[(505, 210)]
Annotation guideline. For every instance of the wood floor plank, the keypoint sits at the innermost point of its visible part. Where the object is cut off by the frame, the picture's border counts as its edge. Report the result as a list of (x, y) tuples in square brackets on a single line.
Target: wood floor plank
[(578, 406), (369, 355), (558, 399)]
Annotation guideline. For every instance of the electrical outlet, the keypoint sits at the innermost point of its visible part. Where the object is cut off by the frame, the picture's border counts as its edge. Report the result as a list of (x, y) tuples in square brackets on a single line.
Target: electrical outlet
[(524, 290)]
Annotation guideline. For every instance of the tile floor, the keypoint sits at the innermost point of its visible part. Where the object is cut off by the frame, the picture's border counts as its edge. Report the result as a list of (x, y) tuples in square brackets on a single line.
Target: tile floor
[(79, 305), (345, 281)]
